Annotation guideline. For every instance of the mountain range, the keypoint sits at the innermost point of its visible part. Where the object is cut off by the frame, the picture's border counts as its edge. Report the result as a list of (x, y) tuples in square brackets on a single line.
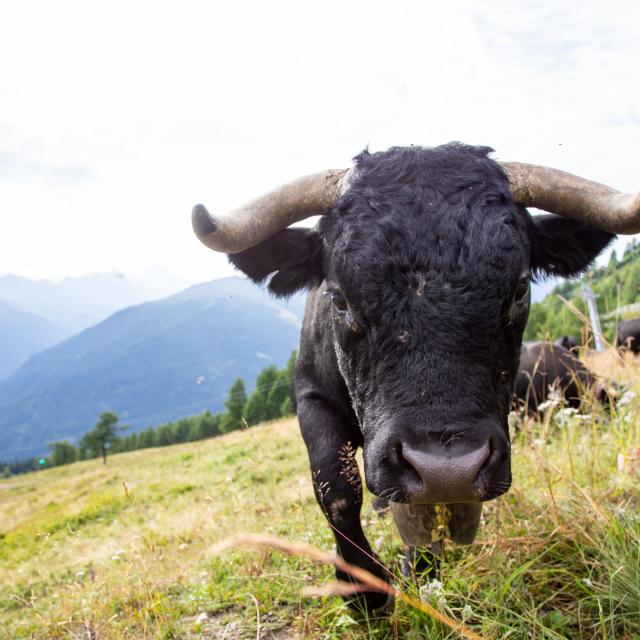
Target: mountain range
[(150, 363), (36, 314)]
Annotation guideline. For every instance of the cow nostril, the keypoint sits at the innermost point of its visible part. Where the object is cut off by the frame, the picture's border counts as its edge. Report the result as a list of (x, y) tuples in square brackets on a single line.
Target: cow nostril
[(408, 469)]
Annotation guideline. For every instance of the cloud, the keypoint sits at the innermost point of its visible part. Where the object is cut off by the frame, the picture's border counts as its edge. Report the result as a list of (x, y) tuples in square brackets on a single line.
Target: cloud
[(217, 102), (15, 167)]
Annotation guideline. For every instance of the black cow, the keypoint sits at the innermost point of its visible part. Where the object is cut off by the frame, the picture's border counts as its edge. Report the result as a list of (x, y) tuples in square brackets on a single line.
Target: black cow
[(545, 366), (567, 342), (628, 335), (419, 251)]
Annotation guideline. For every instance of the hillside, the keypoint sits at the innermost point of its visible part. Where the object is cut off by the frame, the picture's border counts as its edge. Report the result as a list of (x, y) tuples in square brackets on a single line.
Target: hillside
[(21, 335), (150, 363), (616, 285), (125, 550)]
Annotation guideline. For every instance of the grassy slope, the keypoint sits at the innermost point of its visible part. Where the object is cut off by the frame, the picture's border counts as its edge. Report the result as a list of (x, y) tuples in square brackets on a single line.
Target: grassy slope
[(80, 557)]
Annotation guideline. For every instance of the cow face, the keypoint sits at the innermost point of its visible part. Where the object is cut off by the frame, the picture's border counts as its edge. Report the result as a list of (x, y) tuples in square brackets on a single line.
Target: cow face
[(425, 262)]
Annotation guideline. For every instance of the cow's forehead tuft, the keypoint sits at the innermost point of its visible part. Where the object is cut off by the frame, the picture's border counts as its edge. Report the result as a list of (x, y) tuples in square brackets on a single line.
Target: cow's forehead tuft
[(436, 223)]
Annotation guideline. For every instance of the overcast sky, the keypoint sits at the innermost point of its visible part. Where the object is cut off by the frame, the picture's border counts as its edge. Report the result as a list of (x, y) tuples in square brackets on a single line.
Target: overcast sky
[(115, 118)]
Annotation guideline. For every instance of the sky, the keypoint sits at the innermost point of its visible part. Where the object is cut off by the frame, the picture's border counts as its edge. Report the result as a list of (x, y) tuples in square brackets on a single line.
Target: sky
[(116, 118)]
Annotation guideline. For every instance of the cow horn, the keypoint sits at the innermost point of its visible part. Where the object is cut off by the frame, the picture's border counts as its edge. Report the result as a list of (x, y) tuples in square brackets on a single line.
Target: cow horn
[(259, 219), (574, 197)]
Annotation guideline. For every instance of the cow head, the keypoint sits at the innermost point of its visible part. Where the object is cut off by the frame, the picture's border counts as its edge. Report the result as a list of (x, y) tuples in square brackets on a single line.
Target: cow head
[(425, 258)]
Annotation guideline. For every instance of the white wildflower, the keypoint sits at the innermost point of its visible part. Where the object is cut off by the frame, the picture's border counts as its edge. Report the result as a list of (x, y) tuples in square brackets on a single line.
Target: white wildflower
[(431, 591), (79, 574), (538, 442), (467, 612), (201, 618), (587, 582), (626, 398), (543, 406), (554, 399), (565, 415)]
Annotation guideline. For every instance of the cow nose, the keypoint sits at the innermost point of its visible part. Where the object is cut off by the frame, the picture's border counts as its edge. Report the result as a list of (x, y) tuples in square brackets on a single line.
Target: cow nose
[(444, 474)]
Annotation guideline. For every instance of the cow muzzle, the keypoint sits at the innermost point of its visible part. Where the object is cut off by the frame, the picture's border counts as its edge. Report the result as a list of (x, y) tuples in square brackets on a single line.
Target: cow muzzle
[(437, 474), (442, 470)]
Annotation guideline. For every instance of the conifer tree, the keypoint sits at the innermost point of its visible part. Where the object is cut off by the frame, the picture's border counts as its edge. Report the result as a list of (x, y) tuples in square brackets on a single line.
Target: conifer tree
[(62, 453), (235, 404), (100, 439)]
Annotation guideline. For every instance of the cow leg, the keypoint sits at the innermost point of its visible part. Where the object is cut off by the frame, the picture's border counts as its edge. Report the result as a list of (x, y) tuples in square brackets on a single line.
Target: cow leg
[(338, 489)]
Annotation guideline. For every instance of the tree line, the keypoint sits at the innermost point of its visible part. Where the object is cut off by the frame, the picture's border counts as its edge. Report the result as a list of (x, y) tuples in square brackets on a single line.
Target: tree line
[(615, 286), (272, 397)]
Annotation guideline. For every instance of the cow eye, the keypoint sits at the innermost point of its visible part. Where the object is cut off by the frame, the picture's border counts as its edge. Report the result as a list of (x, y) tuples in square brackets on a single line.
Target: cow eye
[(338, 301), (522, 290)]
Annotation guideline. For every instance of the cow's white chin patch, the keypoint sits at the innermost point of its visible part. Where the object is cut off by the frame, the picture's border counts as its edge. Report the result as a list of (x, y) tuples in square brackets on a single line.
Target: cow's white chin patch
[(421, 525)]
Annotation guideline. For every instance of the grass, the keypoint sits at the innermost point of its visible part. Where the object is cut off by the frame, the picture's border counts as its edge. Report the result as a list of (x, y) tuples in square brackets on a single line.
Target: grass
[(127, 550)]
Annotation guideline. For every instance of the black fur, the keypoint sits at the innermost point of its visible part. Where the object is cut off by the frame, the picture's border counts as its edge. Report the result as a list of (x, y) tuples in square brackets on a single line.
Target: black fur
[(291, 259), (411, 338), (564, 247)]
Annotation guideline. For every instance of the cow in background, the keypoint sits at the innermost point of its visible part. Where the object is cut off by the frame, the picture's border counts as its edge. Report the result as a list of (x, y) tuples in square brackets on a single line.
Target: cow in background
[(546, 368), (628, 335), (567, 342)]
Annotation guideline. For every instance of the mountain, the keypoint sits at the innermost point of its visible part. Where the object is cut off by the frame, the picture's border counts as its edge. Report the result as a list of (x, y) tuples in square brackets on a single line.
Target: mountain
[(22, 334), (73, 304), (36, 314), (149, 363)]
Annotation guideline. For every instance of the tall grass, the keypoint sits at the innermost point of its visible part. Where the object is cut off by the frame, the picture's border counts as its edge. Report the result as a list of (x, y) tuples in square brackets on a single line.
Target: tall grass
[(84, 556)]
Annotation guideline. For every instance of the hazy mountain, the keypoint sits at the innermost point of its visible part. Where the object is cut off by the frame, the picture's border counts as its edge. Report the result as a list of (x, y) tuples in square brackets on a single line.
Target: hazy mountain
[(22, 334), (37, 314), (150, 363), (73, 304)]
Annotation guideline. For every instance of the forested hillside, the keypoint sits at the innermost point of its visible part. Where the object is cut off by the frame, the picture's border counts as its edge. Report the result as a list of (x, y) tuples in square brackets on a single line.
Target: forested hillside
[(150, 364), (616, 285)]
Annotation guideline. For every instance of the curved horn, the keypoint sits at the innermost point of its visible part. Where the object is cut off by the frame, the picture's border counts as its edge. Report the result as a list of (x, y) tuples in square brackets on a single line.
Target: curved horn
[(574, 197), (258, 219)]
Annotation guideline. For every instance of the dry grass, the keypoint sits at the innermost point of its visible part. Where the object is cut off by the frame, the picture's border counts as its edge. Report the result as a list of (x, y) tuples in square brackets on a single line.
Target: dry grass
[(80, 557)]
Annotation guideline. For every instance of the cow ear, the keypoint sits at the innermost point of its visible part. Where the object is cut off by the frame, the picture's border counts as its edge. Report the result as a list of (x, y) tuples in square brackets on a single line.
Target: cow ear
[(291, 260), (564, 247)]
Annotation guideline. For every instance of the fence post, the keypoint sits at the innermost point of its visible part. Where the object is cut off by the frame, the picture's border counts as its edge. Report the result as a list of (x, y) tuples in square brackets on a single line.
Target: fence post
[(590, 299)]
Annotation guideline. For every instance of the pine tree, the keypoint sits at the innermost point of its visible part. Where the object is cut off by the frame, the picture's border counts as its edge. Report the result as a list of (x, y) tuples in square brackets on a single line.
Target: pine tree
[(277, 394), (209, 424), (164, 435), (62, 453), (181, 430), (235, 404), (286, 408), (631, 288), (256, 408), (147, 439), (99, 440)]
